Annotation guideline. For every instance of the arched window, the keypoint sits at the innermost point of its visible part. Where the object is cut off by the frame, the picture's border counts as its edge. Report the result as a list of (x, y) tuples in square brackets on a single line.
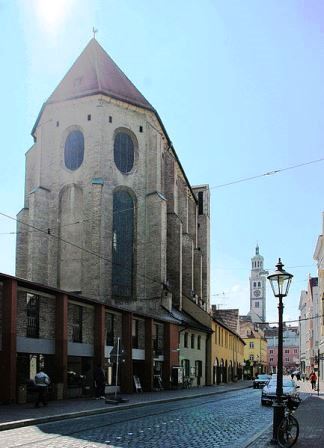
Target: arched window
[(122, 245), (74, 150), (124, 152)]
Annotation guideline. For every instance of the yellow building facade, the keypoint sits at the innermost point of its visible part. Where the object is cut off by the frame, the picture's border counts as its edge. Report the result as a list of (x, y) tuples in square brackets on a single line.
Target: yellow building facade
[(255, 350), (227, 354)]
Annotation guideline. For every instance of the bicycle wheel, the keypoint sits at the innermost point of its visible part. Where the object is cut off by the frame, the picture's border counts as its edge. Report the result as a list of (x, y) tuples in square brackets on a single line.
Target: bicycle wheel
[(288, 432)]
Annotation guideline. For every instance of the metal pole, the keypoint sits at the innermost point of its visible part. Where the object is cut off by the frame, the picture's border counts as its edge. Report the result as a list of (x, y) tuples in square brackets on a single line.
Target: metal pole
[(117, 363), (278, 409), (318, 371)]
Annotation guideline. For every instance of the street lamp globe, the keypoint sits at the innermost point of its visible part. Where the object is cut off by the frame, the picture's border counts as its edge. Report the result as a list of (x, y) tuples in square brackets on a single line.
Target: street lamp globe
[(280, 280)]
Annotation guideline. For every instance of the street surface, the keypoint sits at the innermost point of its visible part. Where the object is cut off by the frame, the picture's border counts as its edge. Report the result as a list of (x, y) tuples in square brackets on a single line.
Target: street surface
[(227, 420)]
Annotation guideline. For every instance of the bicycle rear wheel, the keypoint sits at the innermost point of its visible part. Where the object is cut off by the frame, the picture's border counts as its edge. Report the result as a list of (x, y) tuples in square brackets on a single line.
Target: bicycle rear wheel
[(288, 432)]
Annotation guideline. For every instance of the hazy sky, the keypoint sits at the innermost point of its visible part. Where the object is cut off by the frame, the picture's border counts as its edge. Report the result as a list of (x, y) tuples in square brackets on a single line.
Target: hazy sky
[(239, 87)]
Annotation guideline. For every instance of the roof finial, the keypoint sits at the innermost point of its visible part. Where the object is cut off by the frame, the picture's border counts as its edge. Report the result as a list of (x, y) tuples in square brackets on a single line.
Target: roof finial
[(94, 30)]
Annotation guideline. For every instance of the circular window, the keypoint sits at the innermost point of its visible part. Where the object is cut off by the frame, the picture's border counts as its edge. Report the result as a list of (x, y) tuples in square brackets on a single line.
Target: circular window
[(124, 152), (74, 150)]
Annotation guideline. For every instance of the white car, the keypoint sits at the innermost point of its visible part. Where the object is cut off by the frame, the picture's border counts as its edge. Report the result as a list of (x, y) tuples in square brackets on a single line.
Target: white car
[(289, 388)]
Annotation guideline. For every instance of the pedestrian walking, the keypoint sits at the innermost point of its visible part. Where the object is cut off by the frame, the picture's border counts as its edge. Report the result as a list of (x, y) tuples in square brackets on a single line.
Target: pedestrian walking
[(100, 381), (42, 382), (313, 379), (298, 376), (303, 376)]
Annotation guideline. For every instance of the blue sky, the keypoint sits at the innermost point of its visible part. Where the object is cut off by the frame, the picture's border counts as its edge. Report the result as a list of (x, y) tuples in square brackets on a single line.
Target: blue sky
[(239, 87)]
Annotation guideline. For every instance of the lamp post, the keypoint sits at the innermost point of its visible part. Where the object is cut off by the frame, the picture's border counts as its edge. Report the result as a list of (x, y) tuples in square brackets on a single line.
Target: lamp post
[(280, 281)]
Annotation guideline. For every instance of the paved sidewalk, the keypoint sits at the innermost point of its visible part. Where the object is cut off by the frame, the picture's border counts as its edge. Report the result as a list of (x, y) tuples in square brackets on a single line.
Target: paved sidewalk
[(15, 416), (310, 416)]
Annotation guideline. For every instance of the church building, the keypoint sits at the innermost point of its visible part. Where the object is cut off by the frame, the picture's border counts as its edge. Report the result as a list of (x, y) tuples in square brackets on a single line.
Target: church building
[(116, 217), (112, 243)]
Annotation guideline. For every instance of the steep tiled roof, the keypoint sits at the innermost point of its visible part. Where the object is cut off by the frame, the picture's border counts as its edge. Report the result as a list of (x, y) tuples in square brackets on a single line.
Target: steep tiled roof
[(95, 72)]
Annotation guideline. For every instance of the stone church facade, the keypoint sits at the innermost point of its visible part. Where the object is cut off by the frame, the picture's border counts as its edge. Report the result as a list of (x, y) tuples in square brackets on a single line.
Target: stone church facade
[(109, 210)]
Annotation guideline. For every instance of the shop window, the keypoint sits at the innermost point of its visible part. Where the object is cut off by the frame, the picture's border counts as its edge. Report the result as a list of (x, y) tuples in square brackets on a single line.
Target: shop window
[(77, 313), (32, 316), (135, 333), (185, 363), (110, 329), (157, 339), (185, 341)]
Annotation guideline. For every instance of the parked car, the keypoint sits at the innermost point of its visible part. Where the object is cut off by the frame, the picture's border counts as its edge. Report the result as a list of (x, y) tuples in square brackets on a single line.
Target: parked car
[(261, 380), (289, 388)]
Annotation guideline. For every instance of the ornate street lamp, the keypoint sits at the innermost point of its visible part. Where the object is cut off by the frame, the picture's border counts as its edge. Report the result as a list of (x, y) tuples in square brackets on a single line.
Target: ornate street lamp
[(280, 281)]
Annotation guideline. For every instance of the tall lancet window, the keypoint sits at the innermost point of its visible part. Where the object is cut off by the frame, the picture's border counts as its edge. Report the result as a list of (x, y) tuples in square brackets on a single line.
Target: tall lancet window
[(124, 152), (123, 245), (74, 150)]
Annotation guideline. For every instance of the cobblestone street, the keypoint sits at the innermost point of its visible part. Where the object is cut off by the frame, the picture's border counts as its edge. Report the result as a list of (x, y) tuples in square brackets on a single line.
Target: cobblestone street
[(229, 420)]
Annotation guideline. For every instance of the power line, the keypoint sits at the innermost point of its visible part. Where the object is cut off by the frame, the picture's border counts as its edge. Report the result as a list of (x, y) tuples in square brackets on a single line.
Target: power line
[(268, 173), (48, 233)]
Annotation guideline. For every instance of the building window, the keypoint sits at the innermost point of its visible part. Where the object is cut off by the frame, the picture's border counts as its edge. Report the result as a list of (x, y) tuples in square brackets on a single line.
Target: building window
[(259, 284), (256, 304), (74, 150), (124, 152), (185, 340), (110, 329), (192, 341), (287, 359), (77, 323), (199, 342), (122, 245), (186, 367), (251, 344), (157, 337), (251, 357), (287, 351), (271, 359), (295, 350), (135, 333), (32, 316), (270, 351), (254, 284)]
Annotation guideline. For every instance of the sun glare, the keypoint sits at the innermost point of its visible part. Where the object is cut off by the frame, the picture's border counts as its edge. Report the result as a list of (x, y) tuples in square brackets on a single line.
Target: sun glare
[(52, 13)]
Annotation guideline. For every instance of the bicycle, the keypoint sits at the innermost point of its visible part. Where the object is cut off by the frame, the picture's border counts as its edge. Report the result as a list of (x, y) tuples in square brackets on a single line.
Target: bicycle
[(288, 430)]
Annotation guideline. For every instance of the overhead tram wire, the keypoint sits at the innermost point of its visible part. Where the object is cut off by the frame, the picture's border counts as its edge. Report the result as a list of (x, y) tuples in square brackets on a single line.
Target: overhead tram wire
[(48, 233), (268, 173)]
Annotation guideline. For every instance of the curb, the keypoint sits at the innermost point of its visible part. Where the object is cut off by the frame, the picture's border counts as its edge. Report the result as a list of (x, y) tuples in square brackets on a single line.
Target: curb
[(256, 436), (80, 414)]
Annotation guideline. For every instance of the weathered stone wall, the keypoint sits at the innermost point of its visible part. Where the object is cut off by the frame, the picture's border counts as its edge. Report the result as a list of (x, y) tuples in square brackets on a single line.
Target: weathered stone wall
[(174, 257), (77, 206)]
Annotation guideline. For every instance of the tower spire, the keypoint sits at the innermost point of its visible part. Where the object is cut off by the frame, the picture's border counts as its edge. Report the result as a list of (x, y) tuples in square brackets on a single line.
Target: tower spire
[(257, 249)]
